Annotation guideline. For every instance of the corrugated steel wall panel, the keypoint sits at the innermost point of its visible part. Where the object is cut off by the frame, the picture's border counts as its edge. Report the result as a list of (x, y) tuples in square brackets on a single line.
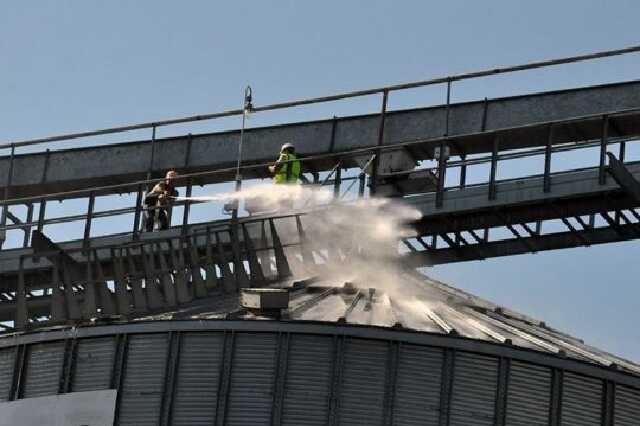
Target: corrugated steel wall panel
[(308, 382), (627, 409), (196, 389), (473, 398), (143, 381), (581, 401), (253, 374), (528, 395), (417, 396), (44, 369), (94, 364), (7, 365), (363, 382)]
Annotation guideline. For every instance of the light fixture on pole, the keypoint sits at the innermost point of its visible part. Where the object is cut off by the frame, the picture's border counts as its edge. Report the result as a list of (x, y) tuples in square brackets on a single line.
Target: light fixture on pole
[(247, 108)]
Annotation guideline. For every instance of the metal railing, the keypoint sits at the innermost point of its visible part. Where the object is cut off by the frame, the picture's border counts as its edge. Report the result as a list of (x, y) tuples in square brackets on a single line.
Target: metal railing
[(373, 152)]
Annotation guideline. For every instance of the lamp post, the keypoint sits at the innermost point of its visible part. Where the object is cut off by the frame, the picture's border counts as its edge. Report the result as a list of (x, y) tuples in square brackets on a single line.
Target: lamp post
[(247, 108)]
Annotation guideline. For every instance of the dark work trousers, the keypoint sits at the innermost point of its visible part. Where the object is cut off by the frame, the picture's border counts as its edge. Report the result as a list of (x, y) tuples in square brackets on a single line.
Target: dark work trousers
[(150, 216)]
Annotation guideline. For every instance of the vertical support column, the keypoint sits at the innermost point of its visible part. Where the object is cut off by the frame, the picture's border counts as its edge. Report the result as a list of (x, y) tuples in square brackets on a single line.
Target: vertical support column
[(239, 272), (608, 403), (501, 397), (446, 385), (120, 284), (463, 171), (281, 377), (171, 368), (27, 227), (256, 275), (390, 385), (361, 184), (282, 264), (17, 383), (187, 207), (228, 280), (21, 318), (135, 282), (87, 226), (5, 208), (41, 214), (211, 280), (448, 111), (118, 371), (332, 141), (181, 276), (336, 382), (494, 168), (225, 379), (89, 305), (166, 282), (153, 152), (555, 411), (71, 300), (604, 140), (69, 367), (442, 175), (376, 160), (151, 277), (305, 248), (197, 282), (337, 182), (58, 303), (547, 161), (43, 201), (138, 213), (106, 298)]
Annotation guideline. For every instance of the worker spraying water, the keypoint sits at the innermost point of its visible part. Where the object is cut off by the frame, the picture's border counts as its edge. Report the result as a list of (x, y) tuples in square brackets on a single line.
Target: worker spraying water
[(287, 169), (159, 201)]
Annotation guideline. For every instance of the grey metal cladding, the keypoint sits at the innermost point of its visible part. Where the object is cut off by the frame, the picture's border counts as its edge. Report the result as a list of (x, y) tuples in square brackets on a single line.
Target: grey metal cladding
[(417, 395), (197, 381), (475, 381), (363, 382), (7, 365), (143, 381), (528, 395), (94, 364), (253, 372), (627, 407), (44, 368), (308, 382), (581, 401)]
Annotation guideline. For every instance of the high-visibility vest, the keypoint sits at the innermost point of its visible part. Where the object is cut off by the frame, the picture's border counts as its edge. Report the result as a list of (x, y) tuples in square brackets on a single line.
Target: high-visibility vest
[(290, 169)]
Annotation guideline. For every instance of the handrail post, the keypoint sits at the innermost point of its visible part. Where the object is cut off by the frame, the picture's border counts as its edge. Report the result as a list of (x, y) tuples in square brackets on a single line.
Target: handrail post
[(448, 111), (337, 181), (87, 226), (187, 207), (494, 168), (463, 171), (5, 207), (604, 140), (442, 172), (138, 213), (376, 160), (547, 161)]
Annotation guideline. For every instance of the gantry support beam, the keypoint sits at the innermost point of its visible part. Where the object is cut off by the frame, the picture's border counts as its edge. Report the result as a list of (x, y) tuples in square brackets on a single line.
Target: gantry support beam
[(468, 127), (522, 245)]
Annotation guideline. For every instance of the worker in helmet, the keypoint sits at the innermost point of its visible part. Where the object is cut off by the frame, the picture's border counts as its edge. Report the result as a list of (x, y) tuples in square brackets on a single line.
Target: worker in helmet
[(159, 201), (287, 169)]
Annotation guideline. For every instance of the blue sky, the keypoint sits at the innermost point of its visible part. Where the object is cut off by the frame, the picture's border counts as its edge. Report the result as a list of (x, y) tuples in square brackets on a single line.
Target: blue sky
[(78, 65)]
